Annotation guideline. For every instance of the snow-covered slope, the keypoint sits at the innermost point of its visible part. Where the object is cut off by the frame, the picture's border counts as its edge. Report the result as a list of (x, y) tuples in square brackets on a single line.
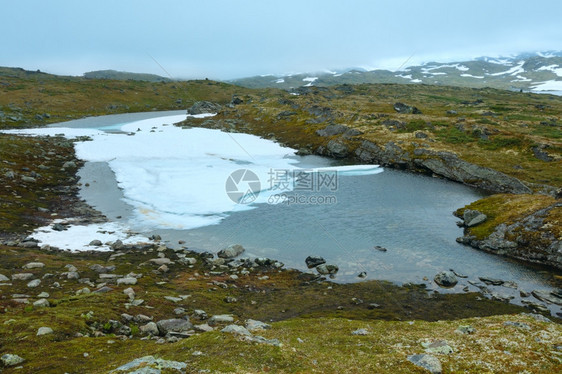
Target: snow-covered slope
[(537, 72)]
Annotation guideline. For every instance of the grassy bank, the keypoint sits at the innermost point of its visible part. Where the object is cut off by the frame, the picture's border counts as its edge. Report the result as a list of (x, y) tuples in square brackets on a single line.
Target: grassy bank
[(312, 319)]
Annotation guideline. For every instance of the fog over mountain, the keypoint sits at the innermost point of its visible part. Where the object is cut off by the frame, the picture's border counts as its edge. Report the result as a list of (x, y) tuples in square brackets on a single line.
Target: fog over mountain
[(228, 40)]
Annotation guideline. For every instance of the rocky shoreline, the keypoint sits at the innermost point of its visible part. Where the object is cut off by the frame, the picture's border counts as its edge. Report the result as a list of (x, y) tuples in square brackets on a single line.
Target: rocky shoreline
[(150, 298)]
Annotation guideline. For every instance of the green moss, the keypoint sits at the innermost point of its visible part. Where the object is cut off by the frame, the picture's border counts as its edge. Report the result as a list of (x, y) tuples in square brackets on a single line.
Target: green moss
[(498, 142), (454, 136), (504, 208)]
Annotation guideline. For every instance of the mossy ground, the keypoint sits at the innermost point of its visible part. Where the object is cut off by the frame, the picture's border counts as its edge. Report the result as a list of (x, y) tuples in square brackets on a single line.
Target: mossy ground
[(321, 314)]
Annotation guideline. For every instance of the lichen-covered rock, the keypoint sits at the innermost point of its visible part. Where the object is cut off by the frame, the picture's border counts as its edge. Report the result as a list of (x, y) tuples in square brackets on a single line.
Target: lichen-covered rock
[(151, 365), (174, 325), (11, 360), (236, 330), (427, 362)]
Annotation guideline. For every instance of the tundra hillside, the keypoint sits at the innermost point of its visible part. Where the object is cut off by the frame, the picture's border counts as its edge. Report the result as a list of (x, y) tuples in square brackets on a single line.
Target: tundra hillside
[(150, 308)]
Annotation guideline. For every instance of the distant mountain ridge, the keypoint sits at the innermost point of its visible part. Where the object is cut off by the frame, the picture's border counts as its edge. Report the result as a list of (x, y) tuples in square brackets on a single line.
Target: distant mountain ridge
[(537, 72), (123, 75)]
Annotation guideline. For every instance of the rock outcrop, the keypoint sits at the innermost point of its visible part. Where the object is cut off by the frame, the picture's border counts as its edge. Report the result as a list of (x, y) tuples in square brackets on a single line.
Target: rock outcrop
[(529, 239), (202, 107), (444, 164)]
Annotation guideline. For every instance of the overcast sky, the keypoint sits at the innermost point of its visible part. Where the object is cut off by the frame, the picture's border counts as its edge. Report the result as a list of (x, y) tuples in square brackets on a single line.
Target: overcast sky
[(223, 39)]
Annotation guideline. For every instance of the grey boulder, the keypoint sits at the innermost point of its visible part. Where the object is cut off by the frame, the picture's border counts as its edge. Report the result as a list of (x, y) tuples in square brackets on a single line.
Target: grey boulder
[(446, 279)]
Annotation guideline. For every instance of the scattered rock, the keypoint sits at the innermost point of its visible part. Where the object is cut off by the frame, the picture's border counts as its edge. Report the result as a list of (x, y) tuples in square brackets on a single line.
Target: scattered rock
[(438, 346), (150, 328), (539, 153), (174, 325), (253, 325), (446, 279), (547, 297), (313, 261), (236, 330), (473, 218), (220, 318), (72, 275), (203, 328), (163, 269), (360, 332), (262, 340), (103, 289), (427, 362), (501, 297), (59, 227), (338, 129), (326, 269), (41, 303), (519, 325), (161, 261), (466, 329), (44, 331), (406, 109), (510, 284), (459, 274), (491, 281), (538, 317), (118, 244), (231, 251), (34, 283), (95, 243), (127, 281), (11, 359), (33, 265), (22, 276), (27, 179), (129, 292), (150, 365)]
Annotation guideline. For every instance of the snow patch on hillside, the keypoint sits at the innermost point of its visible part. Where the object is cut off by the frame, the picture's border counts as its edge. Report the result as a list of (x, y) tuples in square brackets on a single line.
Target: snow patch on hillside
[(518, 69), (472, 76)]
